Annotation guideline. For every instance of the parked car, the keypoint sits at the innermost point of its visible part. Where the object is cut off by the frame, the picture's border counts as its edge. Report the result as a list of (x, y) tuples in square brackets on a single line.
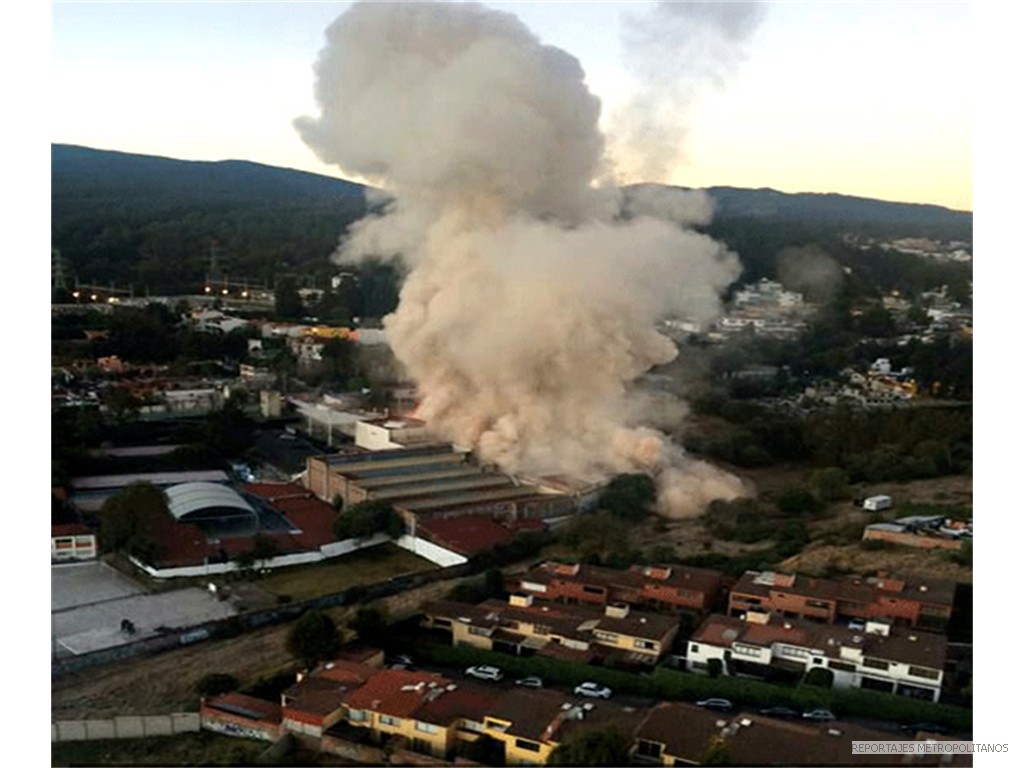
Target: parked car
[(593, 691), (719, 705), (485, 673), (819, 715), (530, 682), (783, 713), (401, 661)]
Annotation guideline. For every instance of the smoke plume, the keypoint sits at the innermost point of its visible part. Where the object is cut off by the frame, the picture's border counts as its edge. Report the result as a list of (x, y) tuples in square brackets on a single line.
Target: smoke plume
[(811, 271), (531, 297), (674, 51)]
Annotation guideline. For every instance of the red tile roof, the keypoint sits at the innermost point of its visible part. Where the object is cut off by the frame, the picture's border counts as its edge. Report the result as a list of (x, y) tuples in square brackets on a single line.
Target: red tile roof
[(466, 535), (395, 692), (68, 529)]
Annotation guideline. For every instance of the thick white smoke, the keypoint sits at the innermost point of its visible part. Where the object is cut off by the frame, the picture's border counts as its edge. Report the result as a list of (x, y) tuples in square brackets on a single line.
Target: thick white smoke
[(530, 303), (675, 51)]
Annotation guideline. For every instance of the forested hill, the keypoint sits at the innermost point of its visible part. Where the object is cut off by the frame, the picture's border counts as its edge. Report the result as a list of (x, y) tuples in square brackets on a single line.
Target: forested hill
[(81, 173), (151, 221), (844, 209)]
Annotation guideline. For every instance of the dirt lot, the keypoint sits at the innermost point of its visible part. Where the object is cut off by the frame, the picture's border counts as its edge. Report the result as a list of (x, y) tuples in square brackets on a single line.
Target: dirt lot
[(836, 532)]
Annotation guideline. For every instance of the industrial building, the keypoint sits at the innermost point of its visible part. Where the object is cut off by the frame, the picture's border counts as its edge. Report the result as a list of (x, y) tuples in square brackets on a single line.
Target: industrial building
[(431, 481)]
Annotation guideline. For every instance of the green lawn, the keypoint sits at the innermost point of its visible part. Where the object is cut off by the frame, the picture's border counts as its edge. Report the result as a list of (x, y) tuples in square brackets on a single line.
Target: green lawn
[(367, 566)]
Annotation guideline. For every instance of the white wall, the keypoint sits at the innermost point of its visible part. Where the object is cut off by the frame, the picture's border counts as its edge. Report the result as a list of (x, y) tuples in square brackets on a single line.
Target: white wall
[(430, 551)]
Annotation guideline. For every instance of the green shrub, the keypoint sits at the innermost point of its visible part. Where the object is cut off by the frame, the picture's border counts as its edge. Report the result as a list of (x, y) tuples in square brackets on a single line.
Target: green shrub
[(216, 683)]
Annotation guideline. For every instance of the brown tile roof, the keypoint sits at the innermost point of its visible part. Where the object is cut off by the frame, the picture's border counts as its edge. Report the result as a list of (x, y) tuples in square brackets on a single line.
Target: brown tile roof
[(69, 529), (908, 646), (530, 711), (685, 730), (701, 580), (314, 696), (756, 740), (467, 700), (576, 621), (395, 692), (466, 535), (861, 589), (344, 671)]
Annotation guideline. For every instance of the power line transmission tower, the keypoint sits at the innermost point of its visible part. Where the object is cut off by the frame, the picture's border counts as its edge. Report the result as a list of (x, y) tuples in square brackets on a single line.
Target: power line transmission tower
[(58, 271)]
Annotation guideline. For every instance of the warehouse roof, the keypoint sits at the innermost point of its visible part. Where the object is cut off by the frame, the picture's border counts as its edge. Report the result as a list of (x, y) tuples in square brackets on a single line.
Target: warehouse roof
[(188, 498)]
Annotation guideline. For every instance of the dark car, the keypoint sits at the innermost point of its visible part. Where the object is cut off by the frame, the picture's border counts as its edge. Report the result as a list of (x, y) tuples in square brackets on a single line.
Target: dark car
[(783, 713)]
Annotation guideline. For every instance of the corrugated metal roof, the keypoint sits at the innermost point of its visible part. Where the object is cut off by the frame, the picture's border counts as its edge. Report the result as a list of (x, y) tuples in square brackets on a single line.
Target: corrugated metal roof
[(187, 498)]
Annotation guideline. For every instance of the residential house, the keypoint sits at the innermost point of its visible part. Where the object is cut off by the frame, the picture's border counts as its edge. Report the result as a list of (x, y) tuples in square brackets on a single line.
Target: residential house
[(920, 603), (882, 657), (577, 632), (658, 587)]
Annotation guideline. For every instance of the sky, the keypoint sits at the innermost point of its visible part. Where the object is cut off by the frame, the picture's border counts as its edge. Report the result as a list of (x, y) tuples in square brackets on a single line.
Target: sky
[(863, 98)]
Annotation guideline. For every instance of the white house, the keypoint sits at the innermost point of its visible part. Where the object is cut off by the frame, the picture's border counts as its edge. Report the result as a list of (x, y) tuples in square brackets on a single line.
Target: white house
[(879, 657)]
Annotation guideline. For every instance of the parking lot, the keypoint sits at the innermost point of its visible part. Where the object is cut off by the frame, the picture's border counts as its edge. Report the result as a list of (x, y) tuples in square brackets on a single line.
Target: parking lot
[(89, 602)]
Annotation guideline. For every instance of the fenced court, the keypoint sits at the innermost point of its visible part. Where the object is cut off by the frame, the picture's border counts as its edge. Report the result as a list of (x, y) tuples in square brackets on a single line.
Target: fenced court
[(91, 604)]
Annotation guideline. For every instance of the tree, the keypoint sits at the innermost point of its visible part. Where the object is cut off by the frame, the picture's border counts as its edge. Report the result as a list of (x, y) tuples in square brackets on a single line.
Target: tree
[(371, 625), (608, 746), (287, 302), (129, 520), (629, 496), (366, 518), (797, 500), (830, 483), (313, 638), (819, 677), (597, 535), (216, 683)]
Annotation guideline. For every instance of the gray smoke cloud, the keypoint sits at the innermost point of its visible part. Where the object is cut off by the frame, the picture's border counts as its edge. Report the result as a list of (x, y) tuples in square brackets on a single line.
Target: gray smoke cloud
[(674, 51), (811, 271), (531, 301)]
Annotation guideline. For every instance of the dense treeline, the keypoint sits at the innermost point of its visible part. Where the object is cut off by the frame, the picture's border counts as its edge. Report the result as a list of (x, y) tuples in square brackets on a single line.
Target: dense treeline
[(870, 446)]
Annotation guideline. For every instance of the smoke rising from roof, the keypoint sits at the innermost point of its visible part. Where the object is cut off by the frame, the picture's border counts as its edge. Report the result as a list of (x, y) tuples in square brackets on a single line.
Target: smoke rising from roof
[(530, 302), (674, 51)]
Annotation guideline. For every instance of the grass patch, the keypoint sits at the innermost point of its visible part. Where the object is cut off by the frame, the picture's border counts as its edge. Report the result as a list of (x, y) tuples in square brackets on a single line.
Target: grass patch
[(200, 748), (367, 566)]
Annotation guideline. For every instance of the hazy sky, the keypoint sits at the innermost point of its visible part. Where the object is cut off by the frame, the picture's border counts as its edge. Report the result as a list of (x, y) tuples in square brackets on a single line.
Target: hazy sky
[(870, 99)]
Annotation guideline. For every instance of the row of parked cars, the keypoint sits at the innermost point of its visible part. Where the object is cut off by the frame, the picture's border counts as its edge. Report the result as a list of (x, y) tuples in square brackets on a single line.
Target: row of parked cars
[(590, 690)]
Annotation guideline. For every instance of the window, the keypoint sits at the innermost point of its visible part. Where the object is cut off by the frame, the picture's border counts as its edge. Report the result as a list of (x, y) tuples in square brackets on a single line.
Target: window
[(929, 674), (817, 604), (694, 648), (594, 590), (529, 746), (608, 637), (646, 748), (793, 652), (426, 727), (842, 666), (746, 650), (647, 645), (357, 715), (484, 631), (392, 721), (876, 664), (542, 629)]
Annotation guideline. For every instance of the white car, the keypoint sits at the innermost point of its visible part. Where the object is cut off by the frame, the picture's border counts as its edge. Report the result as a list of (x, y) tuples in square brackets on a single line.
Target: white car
[(593, 691), (485, 673), (530, 682)]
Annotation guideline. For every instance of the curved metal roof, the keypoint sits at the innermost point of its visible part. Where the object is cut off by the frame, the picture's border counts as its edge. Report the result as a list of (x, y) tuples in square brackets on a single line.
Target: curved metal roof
[(187, 498)]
